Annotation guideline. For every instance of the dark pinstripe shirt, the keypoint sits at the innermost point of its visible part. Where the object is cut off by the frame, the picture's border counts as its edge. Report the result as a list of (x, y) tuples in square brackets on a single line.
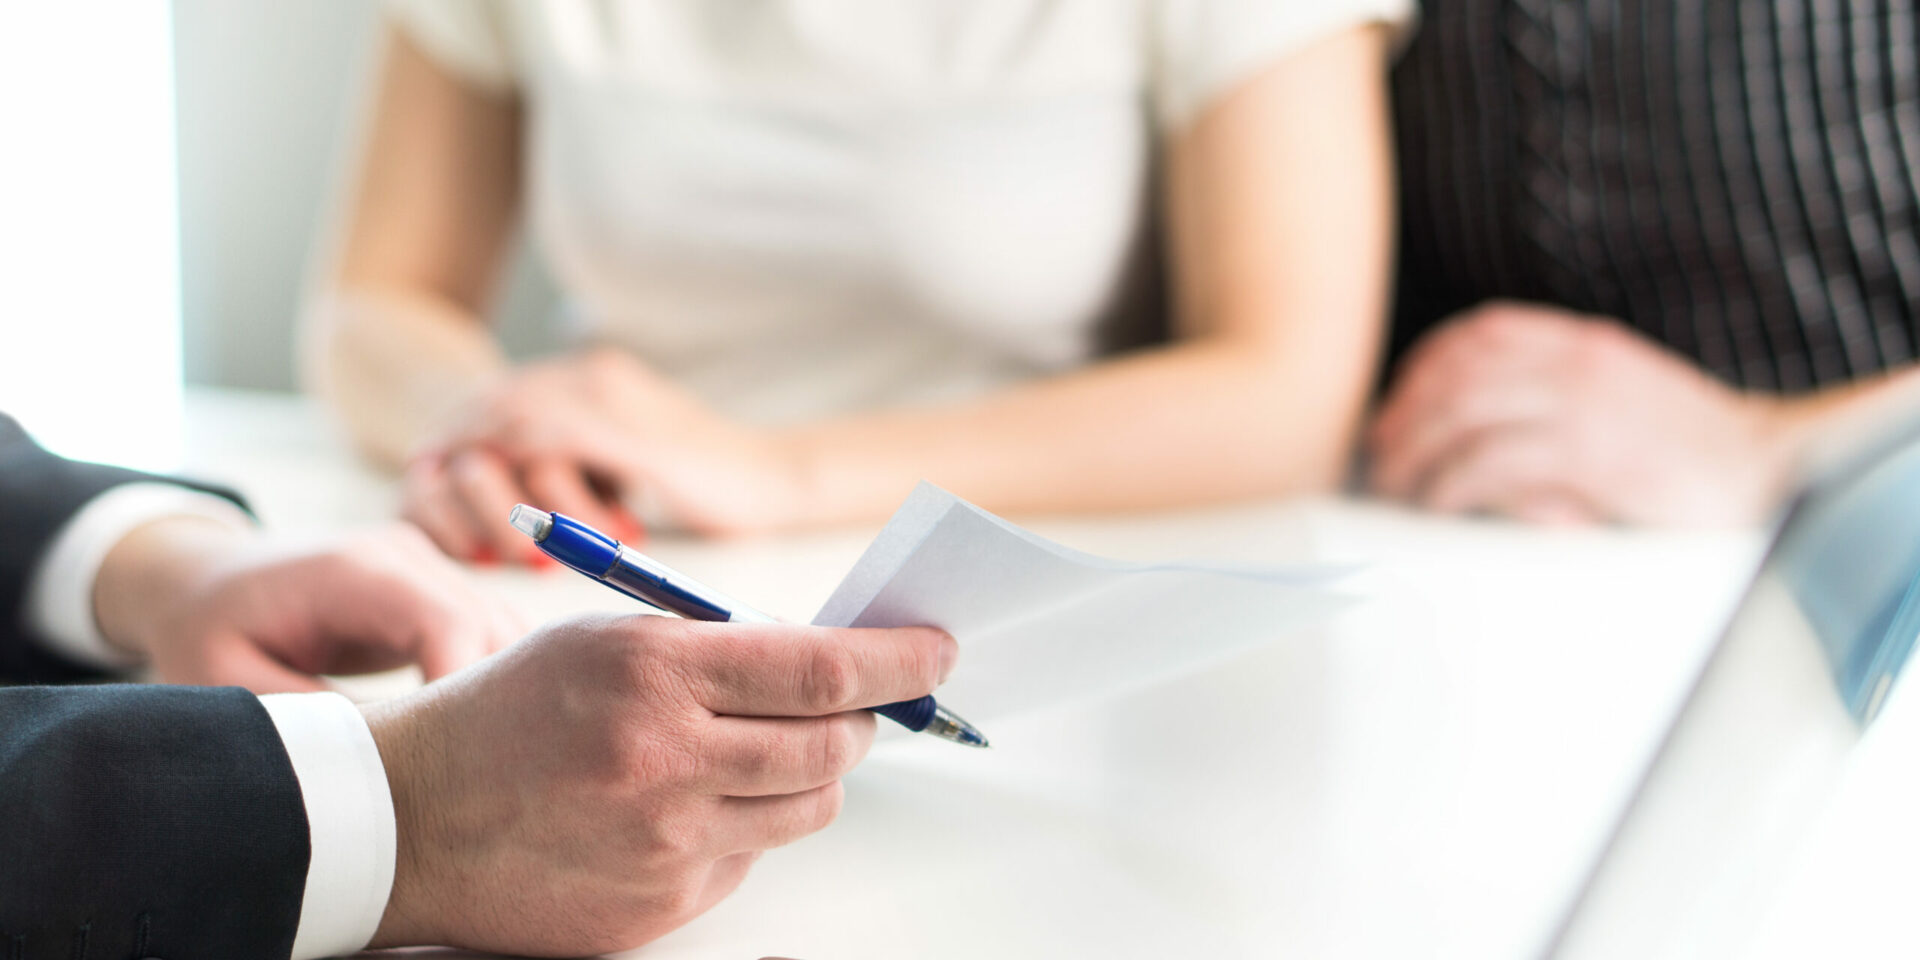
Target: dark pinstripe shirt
[(1737, 179)]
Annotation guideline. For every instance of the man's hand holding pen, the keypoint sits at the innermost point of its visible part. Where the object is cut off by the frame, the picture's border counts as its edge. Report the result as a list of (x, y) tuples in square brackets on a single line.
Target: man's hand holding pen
[(607, 779)]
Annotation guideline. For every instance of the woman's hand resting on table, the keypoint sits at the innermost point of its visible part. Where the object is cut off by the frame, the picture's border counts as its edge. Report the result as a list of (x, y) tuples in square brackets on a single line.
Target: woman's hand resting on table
[(589, 435)]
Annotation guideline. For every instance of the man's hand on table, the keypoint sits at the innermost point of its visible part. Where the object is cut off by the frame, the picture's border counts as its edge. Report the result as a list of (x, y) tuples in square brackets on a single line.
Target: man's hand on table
[(1550, 416), (212, 604), (609, 778)]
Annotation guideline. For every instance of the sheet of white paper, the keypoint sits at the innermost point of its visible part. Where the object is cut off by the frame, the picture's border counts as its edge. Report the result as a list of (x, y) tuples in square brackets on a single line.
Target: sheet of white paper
[(1040, 624)]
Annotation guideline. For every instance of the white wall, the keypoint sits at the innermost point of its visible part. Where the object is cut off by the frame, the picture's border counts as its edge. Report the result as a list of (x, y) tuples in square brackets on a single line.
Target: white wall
[(90, 330), (266, 93)]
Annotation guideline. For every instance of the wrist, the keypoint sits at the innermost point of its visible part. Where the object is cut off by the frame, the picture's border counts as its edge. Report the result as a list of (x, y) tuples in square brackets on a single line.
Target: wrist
[(405, 922), (146, 582), (1785, 431), (1813, 429), (399, 365), (797, 468), (839, 476)]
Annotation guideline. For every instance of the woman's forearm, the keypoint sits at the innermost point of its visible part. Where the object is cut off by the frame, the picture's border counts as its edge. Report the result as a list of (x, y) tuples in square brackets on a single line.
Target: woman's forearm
[(395, 365), (1206, 420), (395, 339), (1280, 226)]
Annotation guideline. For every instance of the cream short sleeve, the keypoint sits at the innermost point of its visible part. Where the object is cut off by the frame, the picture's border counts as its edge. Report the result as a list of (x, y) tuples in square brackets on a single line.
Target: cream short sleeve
[(471, 38), (1205, 48)]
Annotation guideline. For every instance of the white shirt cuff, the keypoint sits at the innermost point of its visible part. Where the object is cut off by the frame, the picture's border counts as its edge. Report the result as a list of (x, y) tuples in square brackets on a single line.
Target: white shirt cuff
[(59, 600), (349, 820)]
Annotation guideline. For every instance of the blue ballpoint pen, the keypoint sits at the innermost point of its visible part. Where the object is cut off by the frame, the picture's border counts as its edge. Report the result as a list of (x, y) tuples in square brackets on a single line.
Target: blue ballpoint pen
[(645, 579)]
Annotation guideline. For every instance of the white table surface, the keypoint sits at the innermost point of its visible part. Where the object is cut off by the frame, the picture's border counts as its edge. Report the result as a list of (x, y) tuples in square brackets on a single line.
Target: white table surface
[(1422, 778)]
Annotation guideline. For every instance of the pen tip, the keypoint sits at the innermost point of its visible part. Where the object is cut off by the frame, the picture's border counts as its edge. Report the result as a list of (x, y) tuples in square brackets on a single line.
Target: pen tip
[(969, 737), (532, 521), (948, 725)]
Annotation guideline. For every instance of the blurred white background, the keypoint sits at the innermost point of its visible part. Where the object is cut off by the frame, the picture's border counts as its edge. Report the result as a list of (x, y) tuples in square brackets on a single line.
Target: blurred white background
[(265, 97), (169, 172), (88, 233), (269, 99)]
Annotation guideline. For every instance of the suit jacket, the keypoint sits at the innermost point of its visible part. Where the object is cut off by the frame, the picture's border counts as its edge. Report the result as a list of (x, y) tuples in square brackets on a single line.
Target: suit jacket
[(135, 821)]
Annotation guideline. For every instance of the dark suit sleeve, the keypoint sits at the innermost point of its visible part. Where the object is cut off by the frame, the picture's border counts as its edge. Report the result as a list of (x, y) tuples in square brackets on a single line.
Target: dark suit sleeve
[(147, 821), (39, 493)]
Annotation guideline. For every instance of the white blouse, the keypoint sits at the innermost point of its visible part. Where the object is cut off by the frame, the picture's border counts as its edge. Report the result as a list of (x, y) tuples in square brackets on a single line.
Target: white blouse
[(802, 207)]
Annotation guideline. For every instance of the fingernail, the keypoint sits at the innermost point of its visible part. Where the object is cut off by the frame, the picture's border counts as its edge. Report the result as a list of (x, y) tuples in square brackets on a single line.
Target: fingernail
[(949, 653)]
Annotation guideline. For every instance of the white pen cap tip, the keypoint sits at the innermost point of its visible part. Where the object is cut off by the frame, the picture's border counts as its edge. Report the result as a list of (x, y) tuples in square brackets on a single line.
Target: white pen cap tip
[(533, 522)]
